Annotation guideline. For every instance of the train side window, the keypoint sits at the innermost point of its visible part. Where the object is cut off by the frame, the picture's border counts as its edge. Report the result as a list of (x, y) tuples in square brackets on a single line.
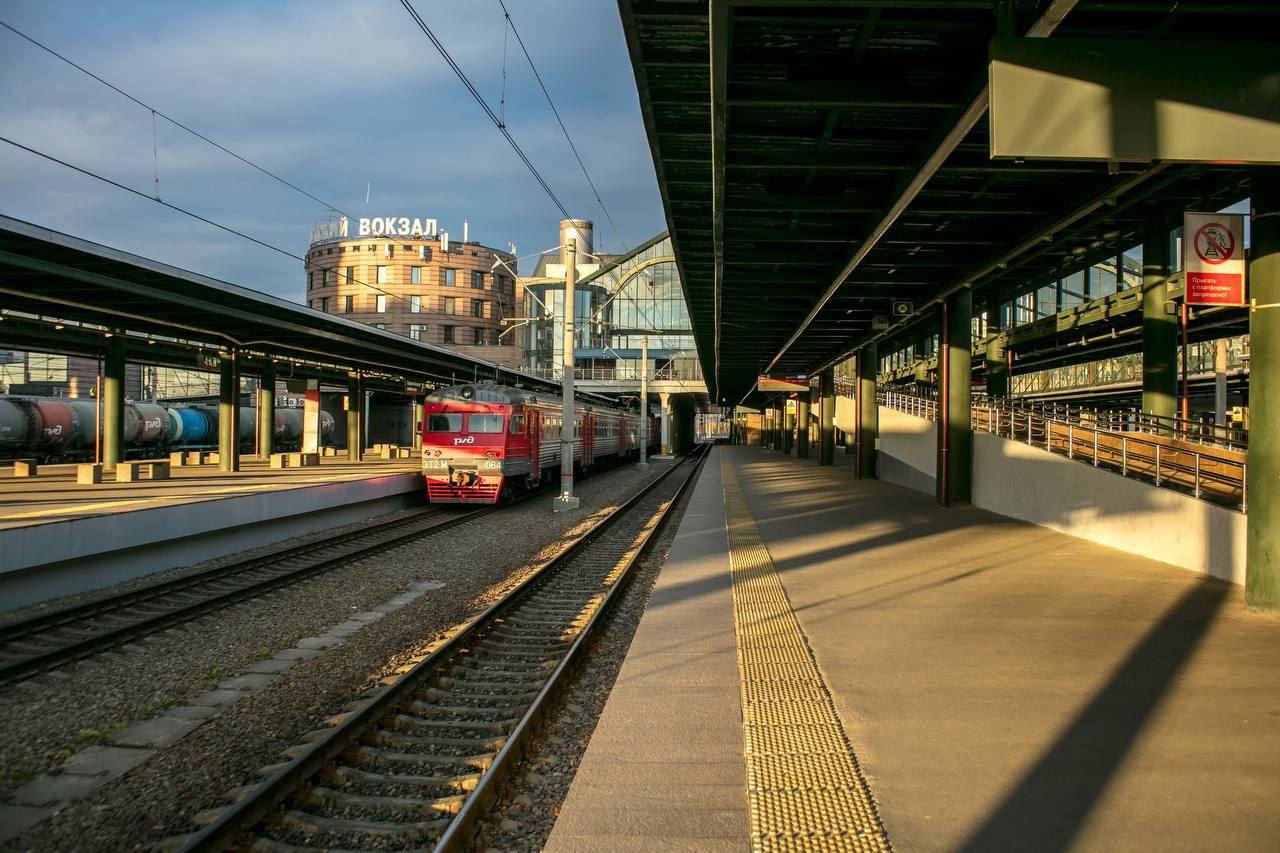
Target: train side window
[(484, 423), (517, 424), (444, 423)]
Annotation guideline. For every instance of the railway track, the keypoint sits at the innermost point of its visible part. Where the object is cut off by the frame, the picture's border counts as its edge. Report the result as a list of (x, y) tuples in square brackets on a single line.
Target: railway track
[(417, 765), (54, 639)]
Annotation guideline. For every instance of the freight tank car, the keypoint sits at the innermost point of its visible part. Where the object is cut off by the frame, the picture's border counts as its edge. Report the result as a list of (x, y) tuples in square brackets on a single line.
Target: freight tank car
[(482, 443)]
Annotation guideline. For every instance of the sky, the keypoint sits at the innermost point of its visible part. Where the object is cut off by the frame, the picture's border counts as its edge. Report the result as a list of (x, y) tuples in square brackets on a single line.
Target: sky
[(337, 98)]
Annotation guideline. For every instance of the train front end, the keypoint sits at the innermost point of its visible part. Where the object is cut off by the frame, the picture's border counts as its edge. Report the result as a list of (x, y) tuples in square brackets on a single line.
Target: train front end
[(462, 450)]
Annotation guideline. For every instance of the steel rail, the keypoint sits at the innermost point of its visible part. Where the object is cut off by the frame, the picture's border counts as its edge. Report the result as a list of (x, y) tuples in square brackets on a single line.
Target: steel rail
[(260, 801), (317, 553)]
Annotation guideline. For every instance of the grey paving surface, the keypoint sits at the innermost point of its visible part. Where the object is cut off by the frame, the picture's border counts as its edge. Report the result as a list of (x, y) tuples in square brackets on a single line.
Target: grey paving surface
[(664, 768), (1009, 687)]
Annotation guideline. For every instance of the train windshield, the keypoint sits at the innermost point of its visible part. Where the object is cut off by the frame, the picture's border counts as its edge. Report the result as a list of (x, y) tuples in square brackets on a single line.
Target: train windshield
[(444, 423), (484, 423)]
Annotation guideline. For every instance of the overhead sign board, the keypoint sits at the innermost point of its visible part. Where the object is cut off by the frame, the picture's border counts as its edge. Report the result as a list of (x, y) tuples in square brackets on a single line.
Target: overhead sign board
[(1134, 99), (774, 383), (1213, 258)]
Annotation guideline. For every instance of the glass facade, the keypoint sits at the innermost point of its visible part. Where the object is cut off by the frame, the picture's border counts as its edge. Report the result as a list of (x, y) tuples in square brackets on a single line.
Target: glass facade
[(638, 294)]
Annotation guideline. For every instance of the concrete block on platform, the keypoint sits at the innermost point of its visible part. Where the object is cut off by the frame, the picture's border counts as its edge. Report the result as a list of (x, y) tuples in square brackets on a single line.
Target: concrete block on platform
[(176, 459), (328, 451), (109, 761), (271, 666), (15, 820), (218, 698), (404, 453), (161, 731), (25, 468), (280, 460), (194, 457), (210, 458), (89, 474), (49, 790), (252, 681)]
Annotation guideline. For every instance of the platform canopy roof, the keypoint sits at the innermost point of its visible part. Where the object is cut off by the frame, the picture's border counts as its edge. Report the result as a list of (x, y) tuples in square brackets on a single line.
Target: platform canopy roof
[(47, 274), (818, 160)]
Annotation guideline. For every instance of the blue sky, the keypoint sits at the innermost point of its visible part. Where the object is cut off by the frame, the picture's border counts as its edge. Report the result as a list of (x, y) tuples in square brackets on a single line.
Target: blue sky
[(331, 96)]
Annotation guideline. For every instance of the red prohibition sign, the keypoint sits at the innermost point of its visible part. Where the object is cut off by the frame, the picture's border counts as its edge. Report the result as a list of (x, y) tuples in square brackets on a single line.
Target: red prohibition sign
[(1212, 233)]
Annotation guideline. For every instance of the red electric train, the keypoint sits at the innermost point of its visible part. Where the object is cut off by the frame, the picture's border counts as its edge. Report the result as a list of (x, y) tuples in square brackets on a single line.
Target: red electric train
[(482, 443)]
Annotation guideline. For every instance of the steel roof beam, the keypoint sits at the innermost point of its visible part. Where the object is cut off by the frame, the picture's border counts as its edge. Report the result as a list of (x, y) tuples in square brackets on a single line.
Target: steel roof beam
[(1042, 28)]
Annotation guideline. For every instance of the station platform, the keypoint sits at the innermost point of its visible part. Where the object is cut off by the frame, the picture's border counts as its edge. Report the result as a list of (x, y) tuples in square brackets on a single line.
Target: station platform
[(95, 535), (845, 660)]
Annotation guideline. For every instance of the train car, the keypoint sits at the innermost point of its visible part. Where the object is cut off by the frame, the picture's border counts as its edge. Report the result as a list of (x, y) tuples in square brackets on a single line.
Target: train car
[(484, 442)]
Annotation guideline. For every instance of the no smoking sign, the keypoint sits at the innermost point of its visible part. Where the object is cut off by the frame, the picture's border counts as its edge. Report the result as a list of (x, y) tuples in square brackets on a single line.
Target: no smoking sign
[(1213, 258)]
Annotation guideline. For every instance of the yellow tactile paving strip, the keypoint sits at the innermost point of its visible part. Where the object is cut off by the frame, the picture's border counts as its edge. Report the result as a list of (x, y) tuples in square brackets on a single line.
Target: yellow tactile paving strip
[(805, 788)]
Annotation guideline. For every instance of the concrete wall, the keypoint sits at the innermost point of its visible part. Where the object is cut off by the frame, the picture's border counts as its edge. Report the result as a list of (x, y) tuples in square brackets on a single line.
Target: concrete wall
[(1034, 485), (908, 450)]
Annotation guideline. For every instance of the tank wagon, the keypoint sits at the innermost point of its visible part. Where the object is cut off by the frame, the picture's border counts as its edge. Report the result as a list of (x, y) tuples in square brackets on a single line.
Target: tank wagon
[(58, 429), (484, 442)]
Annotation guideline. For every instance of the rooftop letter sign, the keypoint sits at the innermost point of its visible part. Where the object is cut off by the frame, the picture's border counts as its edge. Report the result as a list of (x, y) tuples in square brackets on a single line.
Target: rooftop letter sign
[(1213, 258), (1083, 99)]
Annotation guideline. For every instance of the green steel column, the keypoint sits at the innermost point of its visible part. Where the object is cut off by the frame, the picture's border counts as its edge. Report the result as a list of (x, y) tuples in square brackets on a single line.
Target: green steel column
[(266, 410), (788, 431), (229, 415), (1159, 325), (802, 426), (1262, 573), (997, 362), (955, 435), (827, 418), (113, 403), (867, 425), (355, 418)]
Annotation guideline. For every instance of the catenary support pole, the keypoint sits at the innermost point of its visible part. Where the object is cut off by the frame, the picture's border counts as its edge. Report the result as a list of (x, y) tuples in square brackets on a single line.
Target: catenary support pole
[(1159, 329), (827, 417), (229, 413), (867, 415), (266, 410), (644, 402), (955, 436), (355, 417), (1262, 574), (566, 501), (802, 425), (113, 403)]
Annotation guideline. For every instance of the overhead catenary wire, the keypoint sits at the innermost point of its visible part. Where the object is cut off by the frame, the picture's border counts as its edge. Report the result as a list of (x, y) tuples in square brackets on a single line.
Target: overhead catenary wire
[(510, 23), (307, 264), (156, 112), (475, 93)]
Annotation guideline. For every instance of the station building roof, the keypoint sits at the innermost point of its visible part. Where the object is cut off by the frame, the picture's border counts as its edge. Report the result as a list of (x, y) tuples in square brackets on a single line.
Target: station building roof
[(47, 274), (818, 160)]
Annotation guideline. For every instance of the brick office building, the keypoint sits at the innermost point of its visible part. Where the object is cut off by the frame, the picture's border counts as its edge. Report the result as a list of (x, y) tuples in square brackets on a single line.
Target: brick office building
[(399, 275)]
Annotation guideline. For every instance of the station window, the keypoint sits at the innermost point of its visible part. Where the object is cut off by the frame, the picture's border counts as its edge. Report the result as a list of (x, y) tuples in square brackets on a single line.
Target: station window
[(449, 334), (517, 424), (415, 275), (415, 303), (415, 332), (450, 305), (477, 308), (484, 423), (478, 335), (382, 275), (311, 280), (449, 276), (348, 304), (324, 303), (477, 279), (439, 422), (380, 302), (351, 274), (382, 326)]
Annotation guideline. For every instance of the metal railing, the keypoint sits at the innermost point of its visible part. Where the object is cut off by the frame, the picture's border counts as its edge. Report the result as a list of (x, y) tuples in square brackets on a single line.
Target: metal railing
[(1162, 451)]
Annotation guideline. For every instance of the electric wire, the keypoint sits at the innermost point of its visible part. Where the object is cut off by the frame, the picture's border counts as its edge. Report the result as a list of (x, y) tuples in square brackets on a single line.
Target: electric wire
[(171, 120), (559, 121), (307, 264), (497, 121)]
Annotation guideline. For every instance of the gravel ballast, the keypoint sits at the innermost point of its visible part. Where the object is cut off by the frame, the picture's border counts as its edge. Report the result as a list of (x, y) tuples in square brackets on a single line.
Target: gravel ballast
[(44, 722), (525, 811)]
